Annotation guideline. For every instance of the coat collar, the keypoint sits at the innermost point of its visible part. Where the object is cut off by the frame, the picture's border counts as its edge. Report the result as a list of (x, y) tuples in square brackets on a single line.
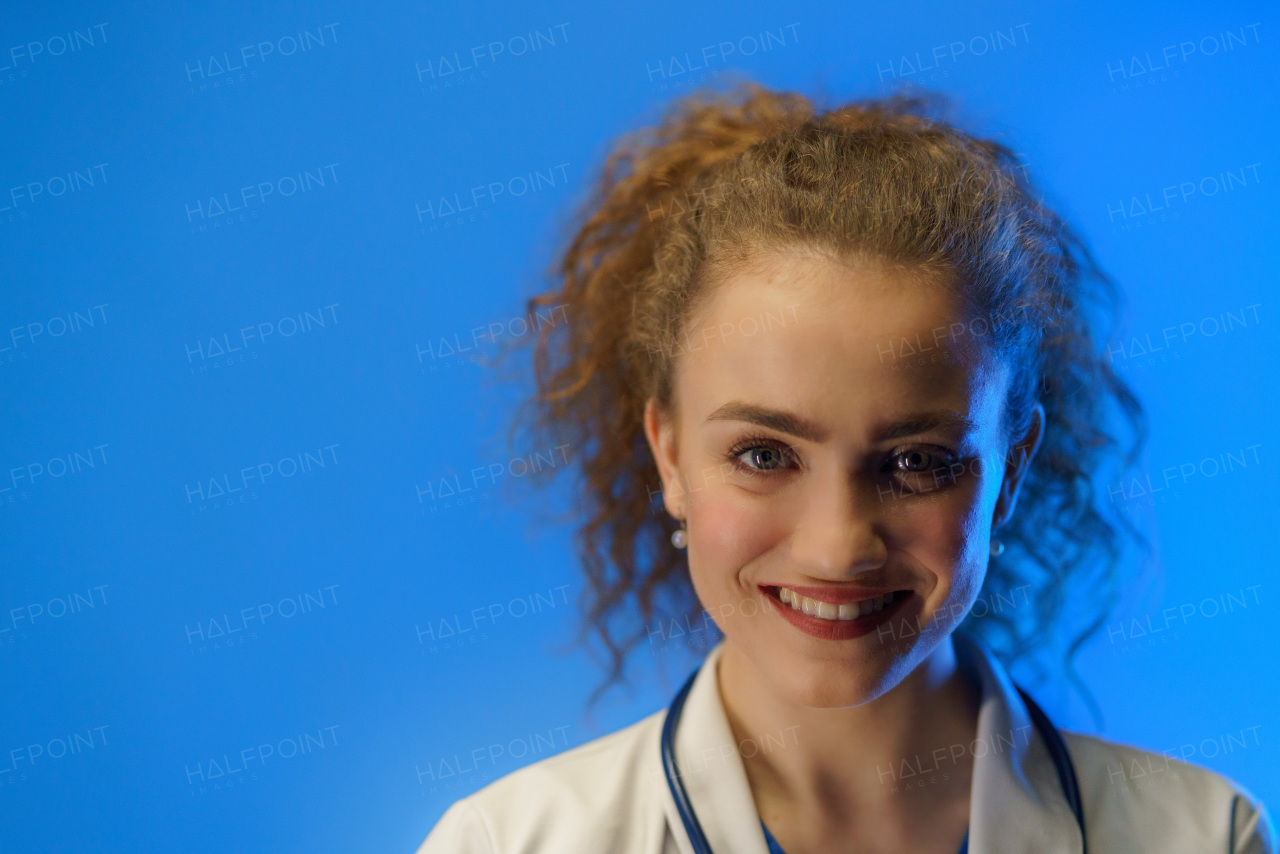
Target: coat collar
[(1017, 804)]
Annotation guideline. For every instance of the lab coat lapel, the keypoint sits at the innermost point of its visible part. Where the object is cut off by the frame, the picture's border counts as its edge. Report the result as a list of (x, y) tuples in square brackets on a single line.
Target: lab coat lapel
[(713, 772), (1017, 804)]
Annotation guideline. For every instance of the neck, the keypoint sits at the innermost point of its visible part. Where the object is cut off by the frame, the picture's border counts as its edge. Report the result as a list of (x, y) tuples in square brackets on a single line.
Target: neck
[(891, 755)]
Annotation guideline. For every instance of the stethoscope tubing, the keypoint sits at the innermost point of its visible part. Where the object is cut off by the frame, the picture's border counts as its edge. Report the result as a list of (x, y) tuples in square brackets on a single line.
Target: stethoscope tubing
[(698, 838)]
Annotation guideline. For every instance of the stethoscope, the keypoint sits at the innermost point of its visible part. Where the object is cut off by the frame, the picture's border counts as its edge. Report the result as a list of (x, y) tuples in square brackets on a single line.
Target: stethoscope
[(1053, 740)]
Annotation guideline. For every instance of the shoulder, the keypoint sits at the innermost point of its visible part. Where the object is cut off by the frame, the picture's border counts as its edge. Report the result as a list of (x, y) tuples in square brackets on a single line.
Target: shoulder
[(586, 798), (1137, 800)]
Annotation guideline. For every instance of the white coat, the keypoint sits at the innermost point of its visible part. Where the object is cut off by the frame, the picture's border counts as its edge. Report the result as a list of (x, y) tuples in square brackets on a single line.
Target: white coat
[(610, 795)]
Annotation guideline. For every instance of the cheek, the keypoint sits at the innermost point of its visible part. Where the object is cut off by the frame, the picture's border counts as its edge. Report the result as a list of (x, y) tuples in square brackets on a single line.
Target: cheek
[(727, 534), (946, 536), (935, 528)]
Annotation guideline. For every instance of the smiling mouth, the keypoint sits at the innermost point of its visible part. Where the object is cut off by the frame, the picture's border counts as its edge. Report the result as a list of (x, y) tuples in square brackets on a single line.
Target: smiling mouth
[(834, 611), (859, 614)]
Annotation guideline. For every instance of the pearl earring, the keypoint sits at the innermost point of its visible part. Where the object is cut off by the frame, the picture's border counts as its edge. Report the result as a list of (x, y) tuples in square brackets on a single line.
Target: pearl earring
[(680, 536), (997, 547)]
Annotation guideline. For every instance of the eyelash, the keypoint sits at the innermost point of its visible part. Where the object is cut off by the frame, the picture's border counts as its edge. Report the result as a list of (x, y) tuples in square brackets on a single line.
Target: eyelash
[(752, 443)]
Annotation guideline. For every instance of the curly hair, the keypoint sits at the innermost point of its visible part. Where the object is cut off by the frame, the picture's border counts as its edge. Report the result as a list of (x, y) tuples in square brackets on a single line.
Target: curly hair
[(722, 176)]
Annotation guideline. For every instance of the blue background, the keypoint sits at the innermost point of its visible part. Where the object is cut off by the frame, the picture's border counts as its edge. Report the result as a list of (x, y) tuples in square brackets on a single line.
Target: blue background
[(150, 568)]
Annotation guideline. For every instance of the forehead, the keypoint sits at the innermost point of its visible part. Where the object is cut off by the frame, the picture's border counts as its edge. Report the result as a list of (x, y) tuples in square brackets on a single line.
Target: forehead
[(849, 343)]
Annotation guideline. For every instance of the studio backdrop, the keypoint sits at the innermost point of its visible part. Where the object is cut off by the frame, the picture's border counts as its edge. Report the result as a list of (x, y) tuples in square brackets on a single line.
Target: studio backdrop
[(270, 575)]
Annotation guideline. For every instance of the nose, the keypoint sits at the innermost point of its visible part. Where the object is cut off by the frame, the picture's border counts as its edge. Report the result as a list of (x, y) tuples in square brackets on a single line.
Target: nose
[(839, 533)]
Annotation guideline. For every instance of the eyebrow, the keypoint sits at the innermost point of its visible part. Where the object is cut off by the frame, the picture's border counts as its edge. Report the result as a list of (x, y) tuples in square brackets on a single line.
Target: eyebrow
[(794, 425)]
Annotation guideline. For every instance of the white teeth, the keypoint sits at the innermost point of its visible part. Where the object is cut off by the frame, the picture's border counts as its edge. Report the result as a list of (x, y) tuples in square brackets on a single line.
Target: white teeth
[(829, 611)]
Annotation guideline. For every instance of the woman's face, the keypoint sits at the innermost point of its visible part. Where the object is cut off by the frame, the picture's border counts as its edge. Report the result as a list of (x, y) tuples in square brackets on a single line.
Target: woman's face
[(839, 437)]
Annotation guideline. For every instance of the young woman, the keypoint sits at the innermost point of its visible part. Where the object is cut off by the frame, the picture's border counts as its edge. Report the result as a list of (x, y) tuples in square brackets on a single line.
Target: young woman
[(844, 347)]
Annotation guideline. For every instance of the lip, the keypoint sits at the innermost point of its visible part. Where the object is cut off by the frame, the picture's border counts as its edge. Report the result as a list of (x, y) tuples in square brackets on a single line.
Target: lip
[(838, 629)]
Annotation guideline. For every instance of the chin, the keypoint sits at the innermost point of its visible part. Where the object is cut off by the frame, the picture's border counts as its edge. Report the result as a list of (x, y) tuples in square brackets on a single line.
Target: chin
[(824, 686)]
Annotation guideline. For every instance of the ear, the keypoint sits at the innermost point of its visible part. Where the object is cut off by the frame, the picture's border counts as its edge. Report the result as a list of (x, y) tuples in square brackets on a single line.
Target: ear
[(660, 430), (1017, 464)]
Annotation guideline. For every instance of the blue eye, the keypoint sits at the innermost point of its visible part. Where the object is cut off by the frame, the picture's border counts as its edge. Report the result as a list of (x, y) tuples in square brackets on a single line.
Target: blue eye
[(923, 469), (763, 456), (916, 461)]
